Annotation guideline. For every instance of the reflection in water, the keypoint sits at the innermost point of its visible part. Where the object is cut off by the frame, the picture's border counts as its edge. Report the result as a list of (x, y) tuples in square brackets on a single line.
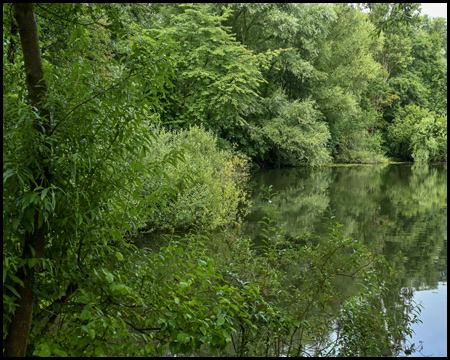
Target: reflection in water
[(400, 210)]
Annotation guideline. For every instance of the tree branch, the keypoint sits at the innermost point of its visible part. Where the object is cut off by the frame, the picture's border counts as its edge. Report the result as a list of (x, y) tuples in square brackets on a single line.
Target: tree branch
[(86, 101), (67, 20)]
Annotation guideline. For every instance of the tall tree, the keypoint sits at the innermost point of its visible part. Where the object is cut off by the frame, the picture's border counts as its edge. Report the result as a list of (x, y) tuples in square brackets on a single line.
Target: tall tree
[(66, 198), (17, 339), (285, 128), (346, 60), (217, 78)]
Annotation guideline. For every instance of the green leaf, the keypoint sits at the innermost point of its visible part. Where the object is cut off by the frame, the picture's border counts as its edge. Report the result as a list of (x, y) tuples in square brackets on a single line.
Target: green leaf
[(127, 226), (119, 256), (59, 352), (32, 262), (99, 351), (8, 173), (86, 315), (44, 193), (15, 279), (161, 349), (44, 351), (108, 275), (211, 265), (118, 289), (183, 338), (14, 291), (56, 307)]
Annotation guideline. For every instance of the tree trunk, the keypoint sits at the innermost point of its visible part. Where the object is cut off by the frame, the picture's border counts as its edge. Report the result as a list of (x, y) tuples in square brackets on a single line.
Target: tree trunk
[(17, 338)]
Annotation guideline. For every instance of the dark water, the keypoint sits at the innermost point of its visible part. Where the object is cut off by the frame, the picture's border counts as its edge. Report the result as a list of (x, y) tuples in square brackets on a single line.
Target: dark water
[(399, 210)]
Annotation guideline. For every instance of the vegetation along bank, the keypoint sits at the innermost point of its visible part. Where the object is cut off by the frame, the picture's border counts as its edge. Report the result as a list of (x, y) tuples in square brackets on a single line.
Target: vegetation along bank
[(123, 118)]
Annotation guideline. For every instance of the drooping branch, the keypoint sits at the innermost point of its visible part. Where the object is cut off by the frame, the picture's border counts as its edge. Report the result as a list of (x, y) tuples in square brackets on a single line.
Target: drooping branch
[(68, 20), (86, 101)]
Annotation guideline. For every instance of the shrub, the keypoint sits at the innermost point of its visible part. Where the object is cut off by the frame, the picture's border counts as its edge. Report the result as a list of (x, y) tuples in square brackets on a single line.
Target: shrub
[(295, 132), (360, 147), (209, 183), (429, 141), (403, 128)]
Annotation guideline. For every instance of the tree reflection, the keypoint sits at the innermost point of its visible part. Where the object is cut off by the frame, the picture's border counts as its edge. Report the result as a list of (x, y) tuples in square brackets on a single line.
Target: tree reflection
[(400, 210)]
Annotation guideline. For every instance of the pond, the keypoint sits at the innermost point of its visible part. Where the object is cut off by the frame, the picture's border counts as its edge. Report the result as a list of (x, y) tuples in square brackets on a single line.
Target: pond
[(398, 210)]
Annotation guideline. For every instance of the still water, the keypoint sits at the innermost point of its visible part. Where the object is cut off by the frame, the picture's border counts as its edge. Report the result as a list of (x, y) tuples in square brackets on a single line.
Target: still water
[(398, 210)]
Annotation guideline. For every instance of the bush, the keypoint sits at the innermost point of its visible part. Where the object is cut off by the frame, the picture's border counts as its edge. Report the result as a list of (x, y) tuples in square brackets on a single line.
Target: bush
[(209, 183), (429, 141), (403, 128), (295, 133), (360, 147)]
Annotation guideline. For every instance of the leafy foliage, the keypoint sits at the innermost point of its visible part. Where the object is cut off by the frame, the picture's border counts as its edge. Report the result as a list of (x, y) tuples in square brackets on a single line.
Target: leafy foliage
[(429, 140), (87, 166), (404, 127), (239, 65), (185, 299), (94, 127), (210, 183), (217, 78), (295, 132)]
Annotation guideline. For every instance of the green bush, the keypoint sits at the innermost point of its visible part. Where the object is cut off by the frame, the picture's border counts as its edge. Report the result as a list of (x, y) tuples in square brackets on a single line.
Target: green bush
[(429, 141), (295, 132), (209, 183), (403, 128), (360, 147)]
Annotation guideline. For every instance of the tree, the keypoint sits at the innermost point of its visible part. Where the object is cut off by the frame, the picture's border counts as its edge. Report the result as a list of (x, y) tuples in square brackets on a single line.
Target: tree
[(294, 132), (16, 342), (217, 78), (66, 197), (347, 59), (389, 16), (413, 55), (286, 128), (429, 141), (429, 47), (403, 128)]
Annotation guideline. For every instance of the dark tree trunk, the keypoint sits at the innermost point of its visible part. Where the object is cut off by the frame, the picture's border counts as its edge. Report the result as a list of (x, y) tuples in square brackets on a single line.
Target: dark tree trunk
[(12, 43), (17, 338)]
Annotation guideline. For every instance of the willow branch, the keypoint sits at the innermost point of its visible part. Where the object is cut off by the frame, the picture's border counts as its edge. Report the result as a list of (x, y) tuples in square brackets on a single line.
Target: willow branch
[(67, 20), (86, 101)]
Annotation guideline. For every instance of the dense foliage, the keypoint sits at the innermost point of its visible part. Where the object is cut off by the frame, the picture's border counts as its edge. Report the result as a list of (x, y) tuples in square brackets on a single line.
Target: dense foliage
[(123, 117), (210, 182), (298, 84)]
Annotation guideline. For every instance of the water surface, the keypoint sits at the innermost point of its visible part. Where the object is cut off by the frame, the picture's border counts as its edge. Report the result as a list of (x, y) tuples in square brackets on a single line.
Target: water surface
[(398, 210)]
